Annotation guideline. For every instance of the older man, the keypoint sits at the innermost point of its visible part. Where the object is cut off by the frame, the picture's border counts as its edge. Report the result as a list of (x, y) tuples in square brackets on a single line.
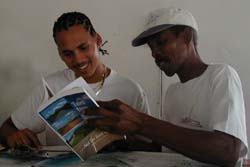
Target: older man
[(204, 113)]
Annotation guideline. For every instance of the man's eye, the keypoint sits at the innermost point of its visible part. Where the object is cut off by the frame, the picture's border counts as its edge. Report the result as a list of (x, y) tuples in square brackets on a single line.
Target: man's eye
[(67, 54), (82, 48), (159, 42)]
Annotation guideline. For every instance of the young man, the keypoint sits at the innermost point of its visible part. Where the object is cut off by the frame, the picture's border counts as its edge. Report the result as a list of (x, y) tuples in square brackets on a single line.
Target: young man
[(204, 113), (79, 47)]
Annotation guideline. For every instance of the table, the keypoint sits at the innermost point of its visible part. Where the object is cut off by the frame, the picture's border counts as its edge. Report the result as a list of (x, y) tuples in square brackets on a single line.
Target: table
[(116, 159)]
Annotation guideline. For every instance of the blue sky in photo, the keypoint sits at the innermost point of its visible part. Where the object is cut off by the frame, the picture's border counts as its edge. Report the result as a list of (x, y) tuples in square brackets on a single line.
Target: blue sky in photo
[(50, 110)]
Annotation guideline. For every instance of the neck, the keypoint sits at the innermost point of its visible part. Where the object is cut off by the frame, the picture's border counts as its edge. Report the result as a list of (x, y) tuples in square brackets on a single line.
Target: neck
[(99, 75), (193, 68)]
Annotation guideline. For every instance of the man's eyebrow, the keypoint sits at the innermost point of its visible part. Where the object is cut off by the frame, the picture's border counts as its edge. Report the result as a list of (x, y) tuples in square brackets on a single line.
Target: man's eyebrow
[(82, 44), (66, 50), (78, 46)]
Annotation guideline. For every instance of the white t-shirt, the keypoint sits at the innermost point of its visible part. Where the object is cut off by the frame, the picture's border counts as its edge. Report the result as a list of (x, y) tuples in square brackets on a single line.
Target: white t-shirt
[(115, 87), (212, 101)]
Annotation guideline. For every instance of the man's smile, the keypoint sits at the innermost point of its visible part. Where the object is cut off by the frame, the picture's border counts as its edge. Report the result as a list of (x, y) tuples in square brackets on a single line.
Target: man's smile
[(82, 66)]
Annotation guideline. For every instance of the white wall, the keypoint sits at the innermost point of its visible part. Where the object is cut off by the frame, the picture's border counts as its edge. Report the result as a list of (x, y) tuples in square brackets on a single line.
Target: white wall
[(27, 48)]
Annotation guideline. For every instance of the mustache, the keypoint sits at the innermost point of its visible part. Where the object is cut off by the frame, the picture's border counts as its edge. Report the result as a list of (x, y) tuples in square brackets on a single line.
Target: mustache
[(158, 61)]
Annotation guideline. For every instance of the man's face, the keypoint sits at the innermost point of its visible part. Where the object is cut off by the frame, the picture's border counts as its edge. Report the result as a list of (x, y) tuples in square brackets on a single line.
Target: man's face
[(79, 50), (169, 51)]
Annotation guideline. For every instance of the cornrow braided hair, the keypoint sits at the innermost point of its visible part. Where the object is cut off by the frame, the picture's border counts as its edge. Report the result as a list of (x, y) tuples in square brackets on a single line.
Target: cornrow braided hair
[(67, 20)]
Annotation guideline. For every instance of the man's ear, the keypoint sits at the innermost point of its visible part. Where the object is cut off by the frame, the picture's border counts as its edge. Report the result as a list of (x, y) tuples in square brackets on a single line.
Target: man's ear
[(98, 40), (188, 34)]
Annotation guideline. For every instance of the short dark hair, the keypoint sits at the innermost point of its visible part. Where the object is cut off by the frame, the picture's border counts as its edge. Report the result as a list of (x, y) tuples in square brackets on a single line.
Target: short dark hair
[(67, 20), (180, 28)]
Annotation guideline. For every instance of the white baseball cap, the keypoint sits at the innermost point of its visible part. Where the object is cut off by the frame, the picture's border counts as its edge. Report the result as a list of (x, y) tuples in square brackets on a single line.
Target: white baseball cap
[(162, 19)]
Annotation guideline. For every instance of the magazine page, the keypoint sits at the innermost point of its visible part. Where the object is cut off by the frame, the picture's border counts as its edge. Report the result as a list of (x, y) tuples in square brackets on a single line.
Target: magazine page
[(48, 91), (98, 160), (80, 82), (64, 113)]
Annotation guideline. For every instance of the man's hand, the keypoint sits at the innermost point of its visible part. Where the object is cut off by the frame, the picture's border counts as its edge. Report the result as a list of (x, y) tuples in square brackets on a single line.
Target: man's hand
[(116, 117), (12, 137), (22, 137)]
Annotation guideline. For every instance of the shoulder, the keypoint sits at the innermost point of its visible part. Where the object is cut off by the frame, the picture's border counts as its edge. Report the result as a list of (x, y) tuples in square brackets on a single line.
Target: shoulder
[(122, 80), (223, 76), (60, 79), (60, 75), (225, 71), (221, 69), (127, 90)]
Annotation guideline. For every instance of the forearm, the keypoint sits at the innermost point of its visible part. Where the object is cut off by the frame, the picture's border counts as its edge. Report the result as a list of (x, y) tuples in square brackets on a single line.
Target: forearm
[(209, 147), (13, 137), (7, 129)]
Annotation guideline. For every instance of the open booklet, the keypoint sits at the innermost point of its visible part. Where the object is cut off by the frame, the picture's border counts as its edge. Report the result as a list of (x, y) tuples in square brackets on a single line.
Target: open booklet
[(64, 111)]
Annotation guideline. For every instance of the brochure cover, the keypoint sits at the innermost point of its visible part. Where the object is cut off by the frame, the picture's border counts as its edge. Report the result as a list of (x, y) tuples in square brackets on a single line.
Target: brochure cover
[(64, 113)]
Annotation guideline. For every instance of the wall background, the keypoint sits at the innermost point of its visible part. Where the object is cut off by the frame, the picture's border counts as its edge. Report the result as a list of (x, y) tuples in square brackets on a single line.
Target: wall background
[(27, 49)]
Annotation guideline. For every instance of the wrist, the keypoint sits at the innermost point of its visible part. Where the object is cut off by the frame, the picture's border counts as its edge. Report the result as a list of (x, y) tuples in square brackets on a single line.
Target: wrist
[(143, 124)]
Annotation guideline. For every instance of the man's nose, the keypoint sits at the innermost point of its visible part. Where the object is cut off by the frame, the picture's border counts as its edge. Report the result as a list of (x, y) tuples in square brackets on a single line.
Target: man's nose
[(78, 57)]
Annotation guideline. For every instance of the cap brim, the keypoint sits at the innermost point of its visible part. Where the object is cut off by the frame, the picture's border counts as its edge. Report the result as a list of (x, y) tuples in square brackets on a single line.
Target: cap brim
[(141, 39)]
